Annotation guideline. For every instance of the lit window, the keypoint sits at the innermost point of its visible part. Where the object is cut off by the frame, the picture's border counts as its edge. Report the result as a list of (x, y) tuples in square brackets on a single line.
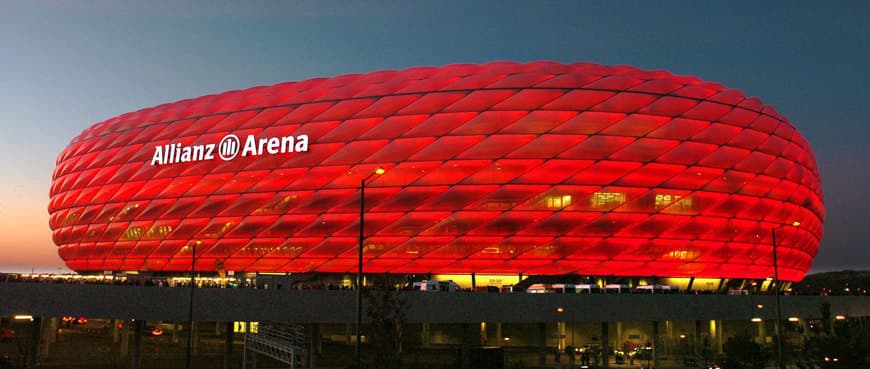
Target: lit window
[(673, 202), (681, 255), (372, 247), (558, 202), (132, 234), (127, 211), (492, 250), (607, 199), (665, 200), (158, 232), (497, 205), (279, 207)]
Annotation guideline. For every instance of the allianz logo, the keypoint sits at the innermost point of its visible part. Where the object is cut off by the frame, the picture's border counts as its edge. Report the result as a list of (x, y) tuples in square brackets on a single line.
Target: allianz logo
[(229, 148)]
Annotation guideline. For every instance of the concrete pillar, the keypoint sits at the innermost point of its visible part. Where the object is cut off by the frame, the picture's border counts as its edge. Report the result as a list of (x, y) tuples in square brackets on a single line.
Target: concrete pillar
[(669, 336), (482, 334), (53, 332), (619, 340), (33, 344), (47, 336), (175, 328), (137, 344), (805, 328), (761, 334), (605, 345), (116, 332), (542, 345), (424, 334), (499, 340), (563, 336), (125, 339), (228, 345), (245, 346), (315, 347), (193, 331), (655, 342), (465, 350), (696, 338), (720, 344)]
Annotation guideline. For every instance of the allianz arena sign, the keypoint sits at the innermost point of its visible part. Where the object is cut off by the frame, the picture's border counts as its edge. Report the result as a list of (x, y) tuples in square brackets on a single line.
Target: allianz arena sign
[(228, 148)]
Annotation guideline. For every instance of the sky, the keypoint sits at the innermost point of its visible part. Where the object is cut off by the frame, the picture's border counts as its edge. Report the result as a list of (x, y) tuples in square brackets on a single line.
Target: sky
[(65, 65)]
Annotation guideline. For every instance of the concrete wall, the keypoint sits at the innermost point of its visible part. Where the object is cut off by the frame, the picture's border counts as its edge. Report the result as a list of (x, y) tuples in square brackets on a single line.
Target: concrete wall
[(306, 306)]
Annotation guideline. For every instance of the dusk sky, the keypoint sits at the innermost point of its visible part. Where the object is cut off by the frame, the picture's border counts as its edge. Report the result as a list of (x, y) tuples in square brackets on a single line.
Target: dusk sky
[(65, 65)]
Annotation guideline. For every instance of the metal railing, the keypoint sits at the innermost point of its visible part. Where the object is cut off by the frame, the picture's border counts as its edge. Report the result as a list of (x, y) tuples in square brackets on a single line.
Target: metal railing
[(282, 342)]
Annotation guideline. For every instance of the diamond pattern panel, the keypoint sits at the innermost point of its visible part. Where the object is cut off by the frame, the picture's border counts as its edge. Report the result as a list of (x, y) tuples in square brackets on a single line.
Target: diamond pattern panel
[(536, 168)]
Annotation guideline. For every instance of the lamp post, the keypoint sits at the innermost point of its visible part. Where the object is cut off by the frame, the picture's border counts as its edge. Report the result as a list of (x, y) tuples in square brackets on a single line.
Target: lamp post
[(359, 272), (190, 305), (779, 363)]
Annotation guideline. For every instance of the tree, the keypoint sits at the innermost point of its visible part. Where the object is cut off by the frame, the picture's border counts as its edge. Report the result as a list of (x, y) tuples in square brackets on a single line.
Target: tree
[(743, 353), (848, 347), (387, 314)]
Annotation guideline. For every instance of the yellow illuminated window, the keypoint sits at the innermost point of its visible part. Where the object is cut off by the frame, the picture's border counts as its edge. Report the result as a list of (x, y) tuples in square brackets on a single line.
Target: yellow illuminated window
[(372, 247), (684, 204), (681, 255), (240, 327), (217, 230), (492, 250), (278, 207), (132, 234), (158, 232), (607, 199), (497, 205), (673, 202), (558, 202), (665, 200), (127, 211)]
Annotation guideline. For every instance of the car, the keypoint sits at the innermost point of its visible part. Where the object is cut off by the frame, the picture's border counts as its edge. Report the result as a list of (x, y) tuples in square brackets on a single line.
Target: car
[(68, 320), (435, 286)]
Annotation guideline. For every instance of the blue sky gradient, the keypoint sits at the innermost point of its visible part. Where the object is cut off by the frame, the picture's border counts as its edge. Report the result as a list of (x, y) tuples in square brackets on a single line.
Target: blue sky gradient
[(65, 65)]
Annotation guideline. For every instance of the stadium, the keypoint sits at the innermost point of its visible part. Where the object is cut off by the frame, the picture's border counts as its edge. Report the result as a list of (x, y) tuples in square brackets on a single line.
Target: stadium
[(499, 169)]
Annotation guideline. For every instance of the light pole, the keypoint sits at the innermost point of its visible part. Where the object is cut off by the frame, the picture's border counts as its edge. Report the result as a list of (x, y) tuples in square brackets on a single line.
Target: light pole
[(190, 305), (359, 272), (779, 363)]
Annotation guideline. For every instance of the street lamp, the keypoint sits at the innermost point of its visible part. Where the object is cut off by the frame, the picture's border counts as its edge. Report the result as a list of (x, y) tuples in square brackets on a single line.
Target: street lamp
[(190, 306), (359, 272), (779, 362)]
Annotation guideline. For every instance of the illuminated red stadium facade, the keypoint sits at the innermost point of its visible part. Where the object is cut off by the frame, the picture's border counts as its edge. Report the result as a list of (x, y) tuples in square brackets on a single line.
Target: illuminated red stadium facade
[(502, 168)]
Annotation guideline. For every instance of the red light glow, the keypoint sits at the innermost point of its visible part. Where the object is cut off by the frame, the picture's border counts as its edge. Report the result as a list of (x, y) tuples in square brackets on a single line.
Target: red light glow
[(538, 168)]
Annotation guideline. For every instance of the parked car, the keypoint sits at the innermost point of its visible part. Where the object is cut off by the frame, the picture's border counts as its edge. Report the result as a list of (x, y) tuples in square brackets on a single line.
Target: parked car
[(435, 286)]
